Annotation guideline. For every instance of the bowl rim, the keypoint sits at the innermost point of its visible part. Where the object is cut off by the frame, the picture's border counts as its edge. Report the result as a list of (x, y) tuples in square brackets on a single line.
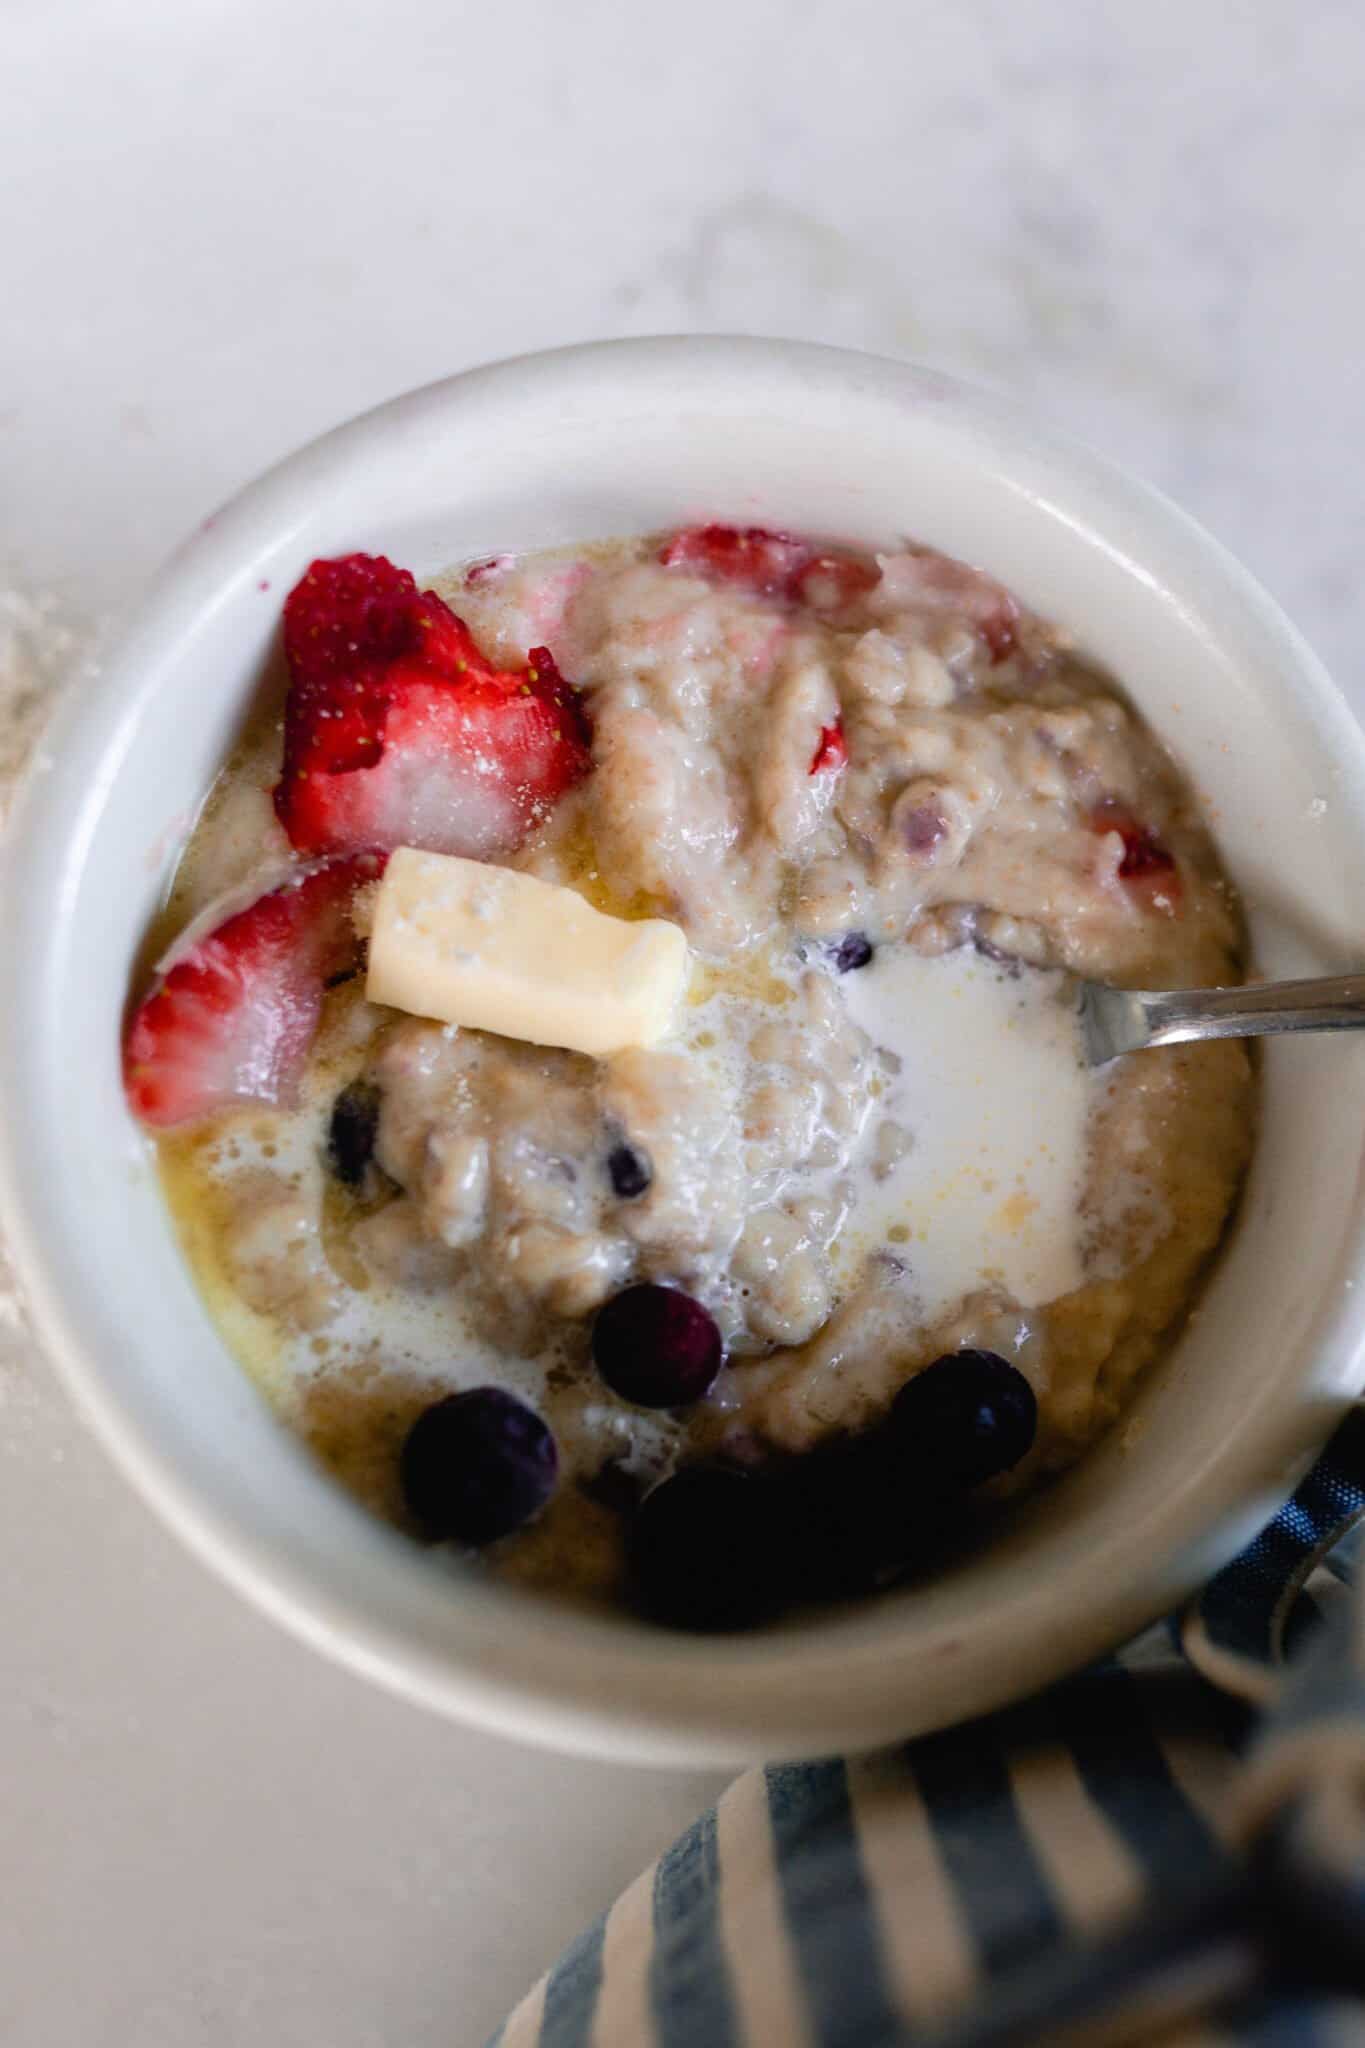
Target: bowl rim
[(1199, 1529)]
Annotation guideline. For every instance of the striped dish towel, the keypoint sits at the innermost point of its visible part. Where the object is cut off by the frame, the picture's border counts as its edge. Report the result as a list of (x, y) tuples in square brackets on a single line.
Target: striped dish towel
[(1043, 1874)]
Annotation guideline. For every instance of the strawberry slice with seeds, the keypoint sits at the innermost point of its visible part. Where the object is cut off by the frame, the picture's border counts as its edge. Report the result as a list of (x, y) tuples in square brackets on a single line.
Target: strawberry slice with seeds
[(764, 562), (234, 1012), (359, 613), (467, 770), (399, 732)]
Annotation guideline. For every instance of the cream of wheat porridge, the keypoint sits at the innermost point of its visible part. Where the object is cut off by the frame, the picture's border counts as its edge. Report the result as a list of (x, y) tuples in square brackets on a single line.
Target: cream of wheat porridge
[(894, 816)]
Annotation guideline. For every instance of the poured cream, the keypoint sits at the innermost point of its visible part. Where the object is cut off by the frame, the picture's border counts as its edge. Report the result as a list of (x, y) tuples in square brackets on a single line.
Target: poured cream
[(997, 1100)]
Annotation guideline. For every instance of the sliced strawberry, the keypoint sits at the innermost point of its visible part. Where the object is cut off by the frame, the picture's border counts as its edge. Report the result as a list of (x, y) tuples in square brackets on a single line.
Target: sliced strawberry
[(763, 562), (832, 748), (1145, 856), (359, 612), (399, 732), (233, 1015), (467, 770), (771, 564), (828, 582), (998, 630), (937, 585), (543, 677)]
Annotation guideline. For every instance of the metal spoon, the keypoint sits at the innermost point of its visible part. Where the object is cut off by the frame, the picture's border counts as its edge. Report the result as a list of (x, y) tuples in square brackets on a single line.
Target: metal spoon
[(1115, 1020)]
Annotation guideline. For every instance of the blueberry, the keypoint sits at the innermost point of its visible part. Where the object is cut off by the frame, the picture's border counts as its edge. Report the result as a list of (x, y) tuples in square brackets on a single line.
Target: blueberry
[(701, 1550), (352, 1130), (630, 1172), (965, 1419), (476, 1466), (853, 950), (853, 1520), (657, 1347), (831, 1506)]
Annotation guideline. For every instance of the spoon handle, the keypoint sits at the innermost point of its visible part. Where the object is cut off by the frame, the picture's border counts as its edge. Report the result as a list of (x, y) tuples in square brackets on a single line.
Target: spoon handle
[(1124, 1020)]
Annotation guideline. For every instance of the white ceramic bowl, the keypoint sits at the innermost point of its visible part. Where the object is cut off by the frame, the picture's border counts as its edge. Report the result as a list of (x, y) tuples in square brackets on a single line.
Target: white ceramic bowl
[(615, 439)]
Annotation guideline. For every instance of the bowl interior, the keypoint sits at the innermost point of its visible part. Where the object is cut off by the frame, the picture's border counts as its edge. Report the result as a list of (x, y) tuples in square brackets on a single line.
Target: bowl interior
[(612, 440)]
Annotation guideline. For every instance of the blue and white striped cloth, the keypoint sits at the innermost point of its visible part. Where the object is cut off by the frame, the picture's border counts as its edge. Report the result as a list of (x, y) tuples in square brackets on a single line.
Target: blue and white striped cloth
[(868, 1902)]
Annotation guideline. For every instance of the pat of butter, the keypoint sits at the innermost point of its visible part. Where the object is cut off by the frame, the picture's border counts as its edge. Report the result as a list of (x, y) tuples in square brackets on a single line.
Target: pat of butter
[(486, 946)]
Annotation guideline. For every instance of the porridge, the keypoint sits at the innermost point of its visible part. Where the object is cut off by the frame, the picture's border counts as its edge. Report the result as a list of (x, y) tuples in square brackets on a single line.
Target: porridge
[(615, 1071)]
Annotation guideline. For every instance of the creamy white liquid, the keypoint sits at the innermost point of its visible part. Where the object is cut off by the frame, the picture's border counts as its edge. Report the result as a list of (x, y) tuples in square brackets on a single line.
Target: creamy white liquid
[(995, 1095), (989, 1083)]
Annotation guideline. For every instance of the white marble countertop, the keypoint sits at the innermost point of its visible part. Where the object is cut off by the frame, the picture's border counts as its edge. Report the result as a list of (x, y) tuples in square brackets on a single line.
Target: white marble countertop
[(225, 226)]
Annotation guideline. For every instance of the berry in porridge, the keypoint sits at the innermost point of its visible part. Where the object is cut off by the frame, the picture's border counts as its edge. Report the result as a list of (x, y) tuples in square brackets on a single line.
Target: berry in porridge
[(967, 1418), (704, 1550), (656, 1347), (477, 1465), (615, 1071)]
